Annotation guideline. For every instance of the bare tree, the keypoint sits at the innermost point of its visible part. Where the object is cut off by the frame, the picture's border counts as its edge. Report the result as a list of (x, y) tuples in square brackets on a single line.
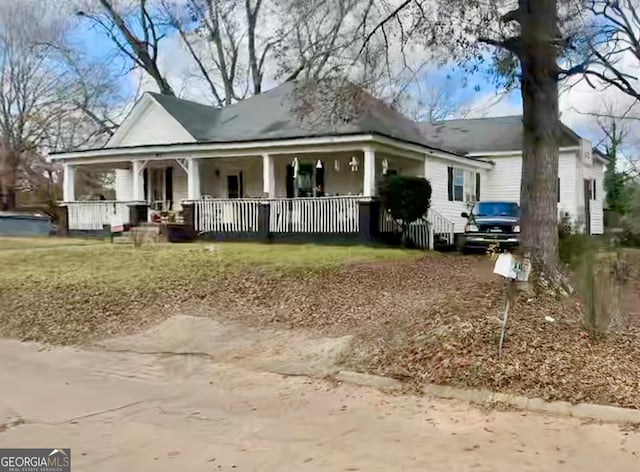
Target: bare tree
[(431, 104), (324, 38), (121, 24), (236, 47), (256, 59), (30, 89), (45, 98), (94, 92), (212, 34), (609, 53), (527, 38)]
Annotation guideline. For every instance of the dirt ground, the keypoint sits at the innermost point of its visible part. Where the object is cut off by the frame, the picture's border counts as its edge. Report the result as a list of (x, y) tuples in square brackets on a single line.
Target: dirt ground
[(191, 410), (417, 317)]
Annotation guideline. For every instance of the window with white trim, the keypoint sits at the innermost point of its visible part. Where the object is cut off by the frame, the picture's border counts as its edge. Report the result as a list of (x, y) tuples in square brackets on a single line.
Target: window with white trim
[(469, 186), (458, 185), (463, 185)]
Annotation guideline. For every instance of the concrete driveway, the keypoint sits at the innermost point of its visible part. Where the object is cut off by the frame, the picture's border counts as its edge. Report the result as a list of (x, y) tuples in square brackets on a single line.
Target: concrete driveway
[(124, 411)]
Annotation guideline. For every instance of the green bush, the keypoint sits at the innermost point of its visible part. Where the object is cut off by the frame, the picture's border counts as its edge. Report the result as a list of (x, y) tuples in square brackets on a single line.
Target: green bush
[(406, 198)]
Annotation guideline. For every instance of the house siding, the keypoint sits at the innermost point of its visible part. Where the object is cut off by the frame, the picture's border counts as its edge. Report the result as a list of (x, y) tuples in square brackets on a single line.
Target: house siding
[(339, 179), (214, 173), (597, 207), (436, 170), (155, 126), (596, 172), (124, 185), (568, 174), (589, 167), (180, 186), (503, 182)]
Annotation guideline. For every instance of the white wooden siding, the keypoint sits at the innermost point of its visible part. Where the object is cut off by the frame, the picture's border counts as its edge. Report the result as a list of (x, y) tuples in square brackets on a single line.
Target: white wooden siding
[(124, 185), (589, 169), (437, 175), (596, 172), (339, 182), (153, 126), (570, 185), (503, 181), (179, 186), (214, 173)]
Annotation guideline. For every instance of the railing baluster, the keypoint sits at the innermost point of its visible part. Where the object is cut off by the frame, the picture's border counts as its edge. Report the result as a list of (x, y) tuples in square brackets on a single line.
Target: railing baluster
[(93, 215)]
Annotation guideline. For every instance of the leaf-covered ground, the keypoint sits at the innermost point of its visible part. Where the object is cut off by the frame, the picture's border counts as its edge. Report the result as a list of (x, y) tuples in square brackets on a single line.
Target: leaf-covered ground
[(430, 318)]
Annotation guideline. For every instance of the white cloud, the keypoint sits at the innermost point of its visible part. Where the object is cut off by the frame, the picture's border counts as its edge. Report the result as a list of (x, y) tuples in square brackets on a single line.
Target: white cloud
[(494, 104), (579, 102)]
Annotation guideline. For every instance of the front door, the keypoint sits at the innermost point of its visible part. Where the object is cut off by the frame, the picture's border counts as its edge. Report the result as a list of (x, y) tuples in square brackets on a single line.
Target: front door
[(587, 206), (160, 187), (305, 181), (235, 183), (233, 186)]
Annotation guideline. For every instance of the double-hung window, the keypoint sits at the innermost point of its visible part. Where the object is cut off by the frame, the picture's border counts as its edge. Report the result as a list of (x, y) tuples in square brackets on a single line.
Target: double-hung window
[(464, 185), (458, 185)]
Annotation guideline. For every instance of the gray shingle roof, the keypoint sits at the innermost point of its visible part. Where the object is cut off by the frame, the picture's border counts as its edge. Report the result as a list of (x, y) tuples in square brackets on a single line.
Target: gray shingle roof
[(503, 133), (294, 110), (302, 110)]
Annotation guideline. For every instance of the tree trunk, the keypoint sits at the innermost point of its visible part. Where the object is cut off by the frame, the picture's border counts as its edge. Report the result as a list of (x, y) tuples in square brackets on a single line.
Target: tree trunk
[(8, 198), (9, 164), (152, 69), (256, 73), (539, 84)]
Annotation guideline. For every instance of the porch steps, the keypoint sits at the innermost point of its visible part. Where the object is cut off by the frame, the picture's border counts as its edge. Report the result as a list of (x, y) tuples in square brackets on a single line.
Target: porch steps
[(143, 234)]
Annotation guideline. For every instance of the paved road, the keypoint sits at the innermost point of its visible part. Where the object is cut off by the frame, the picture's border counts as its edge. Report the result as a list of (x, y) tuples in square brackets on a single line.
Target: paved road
[(125, 412)]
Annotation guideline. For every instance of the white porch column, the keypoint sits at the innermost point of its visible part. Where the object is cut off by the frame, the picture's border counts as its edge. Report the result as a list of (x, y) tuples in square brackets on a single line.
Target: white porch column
[(369, 172), (268, 176), (193, 179), (69, 183), (137, 194)]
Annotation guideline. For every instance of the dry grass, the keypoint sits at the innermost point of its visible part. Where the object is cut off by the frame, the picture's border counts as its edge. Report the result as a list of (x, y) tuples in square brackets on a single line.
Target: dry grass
[(72, 294), (423, 319), (436, 319), (9, 243)]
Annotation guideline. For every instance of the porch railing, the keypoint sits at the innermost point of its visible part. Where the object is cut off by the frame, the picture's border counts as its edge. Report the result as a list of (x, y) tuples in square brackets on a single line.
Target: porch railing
[(226, 215), (93, 215), (419, 232), (442, 226), (286, 215), (315, 215)]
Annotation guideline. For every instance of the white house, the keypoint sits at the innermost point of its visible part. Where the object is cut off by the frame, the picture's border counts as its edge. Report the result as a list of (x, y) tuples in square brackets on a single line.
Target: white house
[(499, 141), (313, 155)]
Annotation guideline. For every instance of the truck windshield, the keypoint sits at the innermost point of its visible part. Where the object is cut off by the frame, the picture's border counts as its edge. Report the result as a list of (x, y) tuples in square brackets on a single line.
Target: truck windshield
[(495, 209)]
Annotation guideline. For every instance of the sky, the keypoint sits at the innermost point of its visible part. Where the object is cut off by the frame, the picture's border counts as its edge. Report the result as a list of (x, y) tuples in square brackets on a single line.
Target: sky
[(477, 93)]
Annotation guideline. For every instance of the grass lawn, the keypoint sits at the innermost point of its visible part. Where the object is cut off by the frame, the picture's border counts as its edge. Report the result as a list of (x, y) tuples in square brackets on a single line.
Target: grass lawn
[(9, 243), (67, 291), (422, 319)]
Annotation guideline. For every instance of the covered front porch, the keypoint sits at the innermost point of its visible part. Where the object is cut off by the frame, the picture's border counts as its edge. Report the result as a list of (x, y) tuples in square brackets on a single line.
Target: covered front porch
[(245, 196)]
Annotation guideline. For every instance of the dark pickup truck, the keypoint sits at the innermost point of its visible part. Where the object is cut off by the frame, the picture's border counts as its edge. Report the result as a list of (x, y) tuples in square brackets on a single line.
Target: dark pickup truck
[(490, 223)]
